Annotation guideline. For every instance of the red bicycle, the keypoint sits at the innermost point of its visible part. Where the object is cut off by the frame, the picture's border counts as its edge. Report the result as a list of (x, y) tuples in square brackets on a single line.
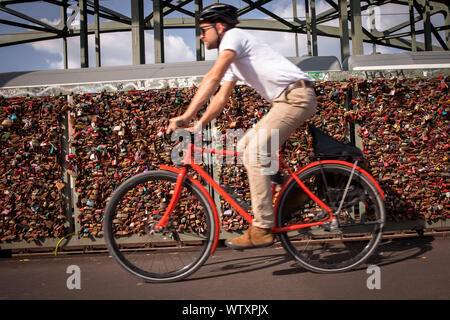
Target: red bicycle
[(163, 225)]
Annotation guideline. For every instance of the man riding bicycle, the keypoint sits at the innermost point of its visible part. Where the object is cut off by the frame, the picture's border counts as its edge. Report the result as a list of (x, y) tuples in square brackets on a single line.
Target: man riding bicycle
[(290, 90)]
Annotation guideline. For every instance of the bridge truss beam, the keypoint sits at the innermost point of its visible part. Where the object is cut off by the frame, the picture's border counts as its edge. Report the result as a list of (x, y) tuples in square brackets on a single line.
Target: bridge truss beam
[(348, 14)]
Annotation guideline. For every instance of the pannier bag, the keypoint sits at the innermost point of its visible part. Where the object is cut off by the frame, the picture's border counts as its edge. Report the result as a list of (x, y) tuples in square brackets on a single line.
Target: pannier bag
[(328, 148)]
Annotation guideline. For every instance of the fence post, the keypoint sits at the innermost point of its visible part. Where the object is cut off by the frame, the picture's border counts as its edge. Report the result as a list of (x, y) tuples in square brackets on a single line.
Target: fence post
[(67, 192)]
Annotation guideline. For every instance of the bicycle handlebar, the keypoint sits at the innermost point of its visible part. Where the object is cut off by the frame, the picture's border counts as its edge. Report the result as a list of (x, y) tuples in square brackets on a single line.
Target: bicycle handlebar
[(180, 125)]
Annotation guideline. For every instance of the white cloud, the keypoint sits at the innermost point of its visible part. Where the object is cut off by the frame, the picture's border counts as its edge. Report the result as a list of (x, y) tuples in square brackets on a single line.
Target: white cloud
[(54, 64), (176, 50), (386, 16), (49, 46), (283, 9), (116, 50), (282, 42), (53, 22), (54, 47)]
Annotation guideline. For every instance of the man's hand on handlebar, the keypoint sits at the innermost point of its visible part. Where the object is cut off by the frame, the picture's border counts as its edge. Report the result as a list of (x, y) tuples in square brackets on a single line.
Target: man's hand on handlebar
[(175, 123), (181, 122)]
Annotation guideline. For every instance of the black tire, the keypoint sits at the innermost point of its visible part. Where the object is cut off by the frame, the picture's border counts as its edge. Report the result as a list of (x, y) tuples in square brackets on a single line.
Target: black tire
[(323, 249), (167, 256)]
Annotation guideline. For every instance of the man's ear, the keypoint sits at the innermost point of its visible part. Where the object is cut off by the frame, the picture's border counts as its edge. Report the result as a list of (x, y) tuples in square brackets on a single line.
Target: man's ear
[(221, 27)]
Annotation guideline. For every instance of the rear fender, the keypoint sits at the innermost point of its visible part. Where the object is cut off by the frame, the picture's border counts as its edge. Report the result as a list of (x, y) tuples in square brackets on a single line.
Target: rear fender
[(364, 172)]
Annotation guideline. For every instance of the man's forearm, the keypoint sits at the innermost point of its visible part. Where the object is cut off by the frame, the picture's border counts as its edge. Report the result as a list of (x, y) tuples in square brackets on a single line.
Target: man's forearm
[(218, 103), (215, 107), (207, 87)]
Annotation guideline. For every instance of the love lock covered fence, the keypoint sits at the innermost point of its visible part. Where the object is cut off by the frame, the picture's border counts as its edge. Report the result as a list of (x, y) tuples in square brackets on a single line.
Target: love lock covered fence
[(64, 153)]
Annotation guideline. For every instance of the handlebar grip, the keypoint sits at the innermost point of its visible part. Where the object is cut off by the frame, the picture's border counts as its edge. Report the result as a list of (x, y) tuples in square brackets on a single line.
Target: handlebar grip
[(180, 123)]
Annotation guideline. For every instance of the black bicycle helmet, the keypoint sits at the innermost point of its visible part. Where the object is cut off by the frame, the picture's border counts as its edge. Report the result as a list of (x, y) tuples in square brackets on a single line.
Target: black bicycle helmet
[(221, 12)]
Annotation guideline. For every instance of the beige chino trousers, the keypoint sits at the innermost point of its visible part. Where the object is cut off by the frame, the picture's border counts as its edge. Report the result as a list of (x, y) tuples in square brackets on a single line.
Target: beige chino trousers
[(290, 110)]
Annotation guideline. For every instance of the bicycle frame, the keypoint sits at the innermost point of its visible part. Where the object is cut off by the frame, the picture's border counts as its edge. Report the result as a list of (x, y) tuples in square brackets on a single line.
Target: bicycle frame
[(188, 161)]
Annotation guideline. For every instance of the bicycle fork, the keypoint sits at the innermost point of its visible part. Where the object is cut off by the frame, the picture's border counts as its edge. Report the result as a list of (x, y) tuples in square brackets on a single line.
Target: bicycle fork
[(173, 202)]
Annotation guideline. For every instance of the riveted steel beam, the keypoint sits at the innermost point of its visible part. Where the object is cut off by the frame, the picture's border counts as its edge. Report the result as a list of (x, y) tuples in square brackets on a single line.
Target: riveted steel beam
[(403, 35), (137, 31)]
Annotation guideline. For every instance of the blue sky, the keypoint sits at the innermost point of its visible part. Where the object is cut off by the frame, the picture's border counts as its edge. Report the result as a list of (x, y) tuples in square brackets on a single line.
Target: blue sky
[(179, 44)]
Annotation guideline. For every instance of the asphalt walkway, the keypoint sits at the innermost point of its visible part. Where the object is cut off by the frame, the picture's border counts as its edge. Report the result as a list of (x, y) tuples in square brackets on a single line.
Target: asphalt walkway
[(414, 268)]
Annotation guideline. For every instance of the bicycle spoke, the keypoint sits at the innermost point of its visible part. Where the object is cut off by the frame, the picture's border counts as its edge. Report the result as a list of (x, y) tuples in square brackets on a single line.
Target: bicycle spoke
[(174, 252), (354, 235)]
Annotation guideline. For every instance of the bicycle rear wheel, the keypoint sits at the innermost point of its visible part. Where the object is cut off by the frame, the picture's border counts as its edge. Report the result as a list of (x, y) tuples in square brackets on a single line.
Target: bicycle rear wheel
[(329, 248), (136, 206)]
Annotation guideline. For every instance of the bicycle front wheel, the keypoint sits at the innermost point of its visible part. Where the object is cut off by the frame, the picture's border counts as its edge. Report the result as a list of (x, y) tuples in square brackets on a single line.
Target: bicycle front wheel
[(351, 239), (136, 206)]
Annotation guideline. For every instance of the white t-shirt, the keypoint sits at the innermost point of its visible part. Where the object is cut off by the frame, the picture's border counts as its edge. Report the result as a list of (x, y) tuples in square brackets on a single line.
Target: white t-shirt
[(258, 65)]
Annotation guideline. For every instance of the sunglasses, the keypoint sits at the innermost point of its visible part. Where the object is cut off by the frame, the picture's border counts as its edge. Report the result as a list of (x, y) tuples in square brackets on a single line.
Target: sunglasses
[(207, 27)]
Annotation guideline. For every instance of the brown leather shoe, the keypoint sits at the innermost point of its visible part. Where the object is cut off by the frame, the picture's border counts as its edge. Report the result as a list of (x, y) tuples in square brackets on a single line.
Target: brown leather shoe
[(254, 238)]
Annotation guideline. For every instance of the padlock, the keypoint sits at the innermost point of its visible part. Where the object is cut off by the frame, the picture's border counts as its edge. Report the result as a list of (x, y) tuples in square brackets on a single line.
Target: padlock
[(30, 149), (415, 124)]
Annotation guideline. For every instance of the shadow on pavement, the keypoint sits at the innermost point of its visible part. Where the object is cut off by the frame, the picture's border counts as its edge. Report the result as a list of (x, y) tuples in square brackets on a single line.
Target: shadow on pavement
[(395, 251), (388, 252), (242, 264)]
